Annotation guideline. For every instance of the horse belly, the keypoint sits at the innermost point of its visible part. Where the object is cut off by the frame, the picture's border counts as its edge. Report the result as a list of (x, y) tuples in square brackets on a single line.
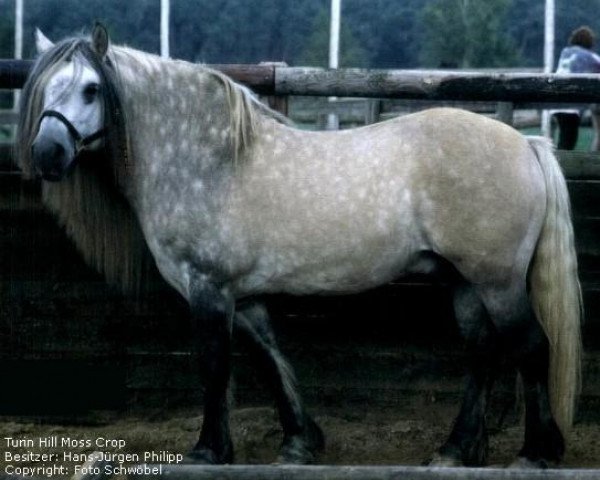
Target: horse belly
[(334, 269), (339, 221)]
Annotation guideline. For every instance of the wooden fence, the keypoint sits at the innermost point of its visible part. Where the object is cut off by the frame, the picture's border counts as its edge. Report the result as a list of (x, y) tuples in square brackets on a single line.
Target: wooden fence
[(275, 79), (331, 472), (139, 346), (290, 472), (506, 91)]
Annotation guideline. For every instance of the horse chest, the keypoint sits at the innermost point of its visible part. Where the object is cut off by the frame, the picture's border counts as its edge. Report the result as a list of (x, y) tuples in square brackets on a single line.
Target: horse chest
[(186, 240)]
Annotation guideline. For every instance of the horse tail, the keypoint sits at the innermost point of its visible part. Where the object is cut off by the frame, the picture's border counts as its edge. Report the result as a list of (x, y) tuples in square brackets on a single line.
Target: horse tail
[(555, 291)]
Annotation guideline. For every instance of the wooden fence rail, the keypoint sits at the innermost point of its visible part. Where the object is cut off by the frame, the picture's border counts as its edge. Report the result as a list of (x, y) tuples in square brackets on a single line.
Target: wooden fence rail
[(330, 472), (13, 73), (334, 472), (273, 79), (438, 85)]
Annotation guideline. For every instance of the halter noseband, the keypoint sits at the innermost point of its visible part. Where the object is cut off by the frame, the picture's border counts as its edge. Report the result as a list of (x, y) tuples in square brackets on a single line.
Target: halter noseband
[(80, 142)]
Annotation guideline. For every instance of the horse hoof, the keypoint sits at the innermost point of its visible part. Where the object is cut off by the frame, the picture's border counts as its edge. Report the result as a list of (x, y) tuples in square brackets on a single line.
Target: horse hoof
[(204, 456), (526, 464), (295, 450), (302, 449), (439, 460), (316, 439)]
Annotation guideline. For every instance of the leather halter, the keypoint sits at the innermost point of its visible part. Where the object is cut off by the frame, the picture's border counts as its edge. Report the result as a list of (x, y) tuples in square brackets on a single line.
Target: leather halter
[(80, 142)]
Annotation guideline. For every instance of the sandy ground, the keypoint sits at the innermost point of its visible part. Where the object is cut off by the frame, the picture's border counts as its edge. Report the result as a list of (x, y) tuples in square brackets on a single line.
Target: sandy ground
[(354, 435)]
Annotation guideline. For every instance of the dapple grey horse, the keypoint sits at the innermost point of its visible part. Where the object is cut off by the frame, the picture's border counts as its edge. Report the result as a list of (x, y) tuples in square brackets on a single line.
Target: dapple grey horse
[(234, 203)]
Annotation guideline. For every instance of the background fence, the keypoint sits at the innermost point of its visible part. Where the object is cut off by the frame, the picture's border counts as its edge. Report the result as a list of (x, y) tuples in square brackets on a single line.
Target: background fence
[(60, 325)]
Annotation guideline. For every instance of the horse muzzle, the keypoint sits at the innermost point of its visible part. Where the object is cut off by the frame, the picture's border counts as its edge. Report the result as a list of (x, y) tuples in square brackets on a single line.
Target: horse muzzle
[(51, 159), (58, 144)]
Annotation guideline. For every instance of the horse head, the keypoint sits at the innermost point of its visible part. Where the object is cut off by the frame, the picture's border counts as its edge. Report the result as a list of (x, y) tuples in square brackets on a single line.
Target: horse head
[(72, 116)]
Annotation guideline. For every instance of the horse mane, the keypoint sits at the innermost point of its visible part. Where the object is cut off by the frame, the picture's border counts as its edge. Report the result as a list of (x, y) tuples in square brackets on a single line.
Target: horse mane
[(103, 227), (244, 108)]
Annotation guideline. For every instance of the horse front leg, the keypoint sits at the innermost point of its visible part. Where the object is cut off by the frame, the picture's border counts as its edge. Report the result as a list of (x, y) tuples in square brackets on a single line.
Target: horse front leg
[(212, 313)]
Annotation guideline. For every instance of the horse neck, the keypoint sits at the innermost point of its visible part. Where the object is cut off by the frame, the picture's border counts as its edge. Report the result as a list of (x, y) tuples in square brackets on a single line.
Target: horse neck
[(170, 99), (179, 129), (177, 114)]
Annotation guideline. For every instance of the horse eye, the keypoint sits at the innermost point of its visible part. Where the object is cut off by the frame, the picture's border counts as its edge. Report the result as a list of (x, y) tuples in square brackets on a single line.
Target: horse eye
[(90, 91)]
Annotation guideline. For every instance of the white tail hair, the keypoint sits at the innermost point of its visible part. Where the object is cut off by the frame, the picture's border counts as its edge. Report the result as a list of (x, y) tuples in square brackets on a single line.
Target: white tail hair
[(555, 290)]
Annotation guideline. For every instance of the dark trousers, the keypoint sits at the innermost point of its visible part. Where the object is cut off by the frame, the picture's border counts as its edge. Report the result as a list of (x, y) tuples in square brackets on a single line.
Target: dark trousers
[(568, 130)]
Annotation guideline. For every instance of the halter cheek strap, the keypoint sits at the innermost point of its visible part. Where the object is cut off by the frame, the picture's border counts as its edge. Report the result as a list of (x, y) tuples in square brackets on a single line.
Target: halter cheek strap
[(80, 142)]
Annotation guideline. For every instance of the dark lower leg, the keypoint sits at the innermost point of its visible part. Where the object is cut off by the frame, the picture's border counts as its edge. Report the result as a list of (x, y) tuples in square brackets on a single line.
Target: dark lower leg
[(214, 444), (467, 443), (211, 317), (525, 343), (543, 440), (301, 435)]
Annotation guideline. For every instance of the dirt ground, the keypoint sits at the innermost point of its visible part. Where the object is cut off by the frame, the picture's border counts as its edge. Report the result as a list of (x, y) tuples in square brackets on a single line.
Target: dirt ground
[(354, 435)]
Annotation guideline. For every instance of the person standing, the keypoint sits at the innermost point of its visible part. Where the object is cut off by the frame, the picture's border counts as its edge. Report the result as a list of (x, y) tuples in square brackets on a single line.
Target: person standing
[(576, 57)]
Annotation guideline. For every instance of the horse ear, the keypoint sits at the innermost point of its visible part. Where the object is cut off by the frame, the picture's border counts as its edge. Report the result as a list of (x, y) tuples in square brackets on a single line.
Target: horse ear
[(100, 39), (42, 43)]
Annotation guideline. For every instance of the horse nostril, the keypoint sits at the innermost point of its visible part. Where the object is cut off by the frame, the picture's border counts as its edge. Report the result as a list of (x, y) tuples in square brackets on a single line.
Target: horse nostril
[(47, 150), (59, 150), (49, 158)]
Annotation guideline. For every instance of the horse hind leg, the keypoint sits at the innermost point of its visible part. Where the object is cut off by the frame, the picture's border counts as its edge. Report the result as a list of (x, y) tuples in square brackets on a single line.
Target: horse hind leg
[(524, 342), (302, 437), (467, 443)]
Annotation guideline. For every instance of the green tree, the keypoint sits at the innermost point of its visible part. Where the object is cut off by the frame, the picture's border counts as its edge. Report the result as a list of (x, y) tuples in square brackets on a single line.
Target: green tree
[(375, 33), (467, 34), (526, 25), (387, 30), (316, 51), (239, 31)]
